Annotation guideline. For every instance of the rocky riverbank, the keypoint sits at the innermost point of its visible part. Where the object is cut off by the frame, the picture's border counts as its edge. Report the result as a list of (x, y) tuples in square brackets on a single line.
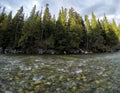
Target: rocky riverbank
[(53, 51)]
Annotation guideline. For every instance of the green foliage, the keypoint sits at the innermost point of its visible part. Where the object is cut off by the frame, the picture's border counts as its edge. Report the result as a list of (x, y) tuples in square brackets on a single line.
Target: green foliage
[(5, 30), (68, 32), (77, 33), (17, 24), (111, 37), (27, 40), (96, 38)]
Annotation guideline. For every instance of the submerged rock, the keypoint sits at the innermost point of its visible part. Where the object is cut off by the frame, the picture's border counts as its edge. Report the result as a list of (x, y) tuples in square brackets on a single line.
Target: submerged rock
[(7, 91), (40, 51), (81, 64), (37, 78), (59, 74), (77, 71)]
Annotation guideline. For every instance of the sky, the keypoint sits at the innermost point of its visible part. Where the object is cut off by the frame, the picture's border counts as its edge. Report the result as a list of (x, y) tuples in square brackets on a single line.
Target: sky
[(84, 7)]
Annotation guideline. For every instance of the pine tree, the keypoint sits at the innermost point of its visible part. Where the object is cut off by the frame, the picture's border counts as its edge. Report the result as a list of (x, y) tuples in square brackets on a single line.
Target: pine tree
[(68, 32), (118, 32), (5, 31), (17, 27), (73, 30), (51, 40), (27, 40), (97, 39), (46, 26), (111, 39), (88, 29), (115, 28), (2, 15), (60, 35), (39, 31)]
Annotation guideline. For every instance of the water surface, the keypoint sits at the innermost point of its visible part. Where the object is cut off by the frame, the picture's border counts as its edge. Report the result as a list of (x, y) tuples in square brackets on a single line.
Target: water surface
[(94, 73)]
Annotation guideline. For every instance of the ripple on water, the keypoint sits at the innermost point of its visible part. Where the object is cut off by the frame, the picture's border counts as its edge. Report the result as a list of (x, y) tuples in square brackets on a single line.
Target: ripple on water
[(36, 66), (77, 71), (38, 60), (8, 91), (69, 74), (60, 69), (81, 64), (14, 61), (37, 78), (22, 67)]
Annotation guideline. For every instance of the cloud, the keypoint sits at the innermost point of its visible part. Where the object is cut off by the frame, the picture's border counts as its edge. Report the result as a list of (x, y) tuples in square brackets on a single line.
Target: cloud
[(5, 4), (110, 8), (28, 5), (111, 17)]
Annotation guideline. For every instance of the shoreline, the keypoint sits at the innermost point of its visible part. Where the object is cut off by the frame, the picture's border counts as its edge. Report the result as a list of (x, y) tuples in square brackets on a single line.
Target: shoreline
[(48, 54)]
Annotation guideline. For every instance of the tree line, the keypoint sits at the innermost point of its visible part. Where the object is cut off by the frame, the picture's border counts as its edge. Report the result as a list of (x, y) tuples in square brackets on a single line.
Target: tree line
[(69, 32)]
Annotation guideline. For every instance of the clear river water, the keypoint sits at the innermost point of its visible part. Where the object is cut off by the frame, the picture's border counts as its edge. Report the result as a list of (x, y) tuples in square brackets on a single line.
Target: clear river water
[(92, 73)]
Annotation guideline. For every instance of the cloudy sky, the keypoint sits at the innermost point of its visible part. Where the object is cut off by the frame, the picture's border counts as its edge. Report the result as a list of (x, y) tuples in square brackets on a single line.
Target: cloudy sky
[(110, 7)]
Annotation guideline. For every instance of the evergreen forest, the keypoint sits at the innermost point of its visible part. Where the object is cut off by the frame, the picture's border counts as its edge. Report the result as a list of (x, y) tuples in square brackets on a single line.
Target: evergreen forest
[(42, 32)]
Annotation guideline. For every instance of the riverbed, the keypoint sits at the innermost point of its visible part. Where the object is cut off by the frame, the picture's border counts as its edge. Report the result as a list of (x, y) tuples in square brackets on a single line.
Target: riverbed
[(92, 73)]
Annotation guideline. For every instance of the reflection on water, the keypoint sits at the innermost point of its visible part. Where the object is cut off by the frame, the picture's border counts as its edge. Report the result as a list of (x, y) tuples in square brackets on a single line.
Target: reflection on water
[(97, 73)]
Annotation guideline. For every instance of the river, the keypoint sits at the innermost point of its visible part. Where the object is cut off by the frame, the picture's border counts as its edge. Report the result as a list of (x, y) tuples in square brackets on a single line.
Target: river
[(92, 73)]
